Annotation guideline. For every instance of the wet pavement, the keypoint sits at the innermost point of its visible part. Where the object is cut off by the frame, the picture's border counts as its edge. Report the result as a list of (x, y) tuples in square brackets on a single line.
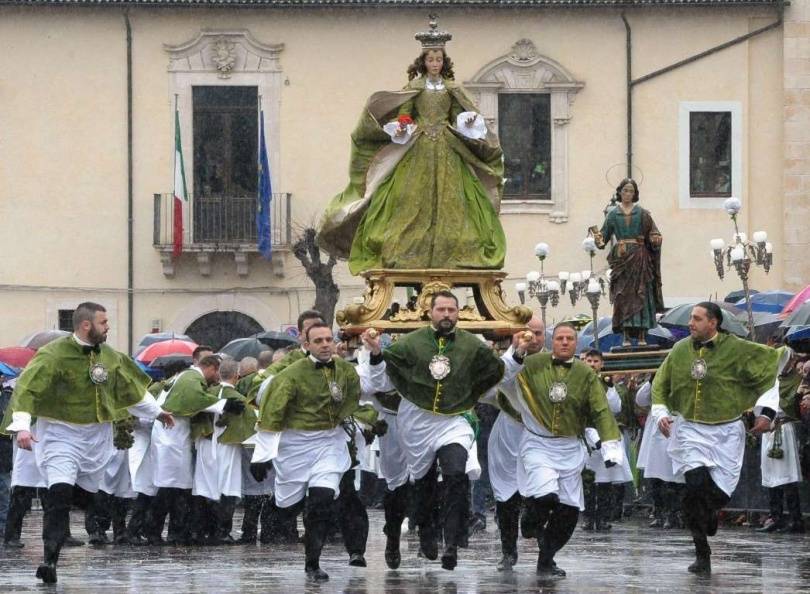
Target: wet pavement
[(630, 558)]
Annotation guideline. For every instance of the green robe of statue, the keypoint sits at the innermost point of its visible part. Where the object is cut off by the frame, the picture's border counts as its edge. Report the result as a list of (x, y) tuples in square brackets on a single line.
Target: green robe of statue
[(474, 369), (737, 373), (56, 384), (300, 397), (430, 203), (585, 403)]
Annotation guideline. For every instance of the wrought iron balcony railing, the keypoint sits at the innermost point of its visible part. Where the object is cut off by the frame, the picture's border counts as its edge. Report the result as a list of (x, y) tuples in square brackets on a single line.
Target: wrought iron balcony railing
[(221, 223)]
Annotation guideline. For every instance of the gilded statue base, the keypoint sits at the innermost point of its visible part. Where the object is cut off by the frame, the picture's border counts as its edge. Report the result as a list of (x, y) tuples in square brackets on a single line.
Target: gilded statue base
[(485, 313)]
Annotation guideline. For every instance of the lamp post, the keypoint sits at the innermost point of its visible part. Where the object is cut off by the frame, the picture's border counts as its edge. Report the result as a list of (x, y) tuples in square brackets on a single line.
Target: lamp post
[(538, 286), (741, 254)]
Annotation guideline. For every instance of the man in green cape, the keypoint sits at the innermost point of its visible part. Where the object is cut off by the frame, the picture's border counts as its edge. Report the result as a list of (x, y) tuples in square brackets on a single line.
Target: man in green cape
[(172, 450), (441, 372), (301, 431), (76, 387), (707, 382), (557, 397)]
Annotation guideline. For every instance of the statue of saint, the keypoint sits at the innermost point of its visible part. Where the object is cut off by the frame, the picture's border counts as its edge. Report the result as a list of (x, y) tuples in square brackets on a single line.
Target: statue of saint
[(635, 262), (426, 177)]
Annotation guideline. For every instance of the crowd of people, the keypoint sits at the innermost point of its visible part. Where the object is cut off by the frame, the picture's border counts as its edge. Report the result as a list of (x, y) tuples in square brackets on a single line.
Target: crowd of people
[(287, 434)]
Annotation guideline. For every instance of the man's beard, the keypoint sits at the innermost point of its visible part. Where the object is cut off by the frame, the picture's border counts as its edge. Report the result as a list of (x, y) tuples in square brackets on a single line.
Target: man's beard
[(445, 326), (96, 337)]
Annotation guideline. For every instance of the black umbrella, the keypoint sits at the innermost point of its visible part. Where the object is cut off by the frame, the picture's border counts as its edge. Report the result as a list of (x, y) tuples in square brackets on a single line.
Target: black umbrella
[(167, 360), (276, 340), (735, 296), (244, 347)]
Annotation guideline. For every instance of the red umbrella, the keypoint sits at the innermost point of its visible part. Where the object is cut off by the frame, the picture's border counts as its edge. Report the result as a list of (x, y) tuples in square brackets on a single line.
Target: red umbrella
[(796, 302), (17, 356), (165, 348)]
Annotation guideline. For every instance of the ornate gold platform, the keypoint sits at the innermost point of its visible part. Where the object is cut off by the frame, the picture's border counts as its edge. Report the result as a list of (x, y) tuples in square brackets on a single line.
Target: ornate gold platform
[(490, 315)]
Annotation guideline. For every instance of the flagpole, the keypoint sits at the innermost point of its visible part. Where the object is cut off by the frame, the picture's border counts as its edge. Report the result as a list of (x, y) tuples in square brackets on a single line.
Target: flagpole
[(174, 170)]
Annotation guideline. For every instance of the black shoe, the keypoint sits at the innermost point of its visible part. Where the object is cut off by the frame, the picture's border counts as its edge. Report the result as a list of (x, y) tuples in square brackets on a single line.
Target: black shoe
[(602, 526), (711, 529), (478, 524), (98, 539), (137, 540), (47, 573), (657, 523), (701, 566), (156, 541), (13, 544), (449, 558), (507, 562), (428, 545), (228, 540), (317, 575), (71, 541), (549, 570), (246, 540), (357, 560), (121, 539), (588, 525), (392, 559), (793, 528)]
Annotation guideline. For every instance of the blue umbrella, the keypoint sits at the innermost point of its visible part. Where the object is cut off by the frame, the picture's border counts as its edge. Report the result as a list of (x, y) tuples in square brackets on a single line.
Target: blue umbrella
[(767, 301), (797, 333), (8, 370), (154, 373)]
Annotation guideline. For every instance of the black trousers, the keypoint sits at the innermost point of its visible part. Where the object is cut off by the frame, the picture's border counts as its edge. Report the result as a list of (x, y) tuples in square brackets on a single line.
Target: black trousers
[(555, 524), (702, 500), (777, 498), (454, 502), (352, 516), (141, 516), (176, 503), (507, 514), (19, 505), (55, 520)]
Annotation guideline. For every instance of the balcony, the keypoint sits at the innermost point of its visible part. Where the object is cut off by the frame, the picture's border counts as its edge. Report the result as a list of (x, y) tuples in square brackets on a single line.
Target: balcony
[(221, 224)]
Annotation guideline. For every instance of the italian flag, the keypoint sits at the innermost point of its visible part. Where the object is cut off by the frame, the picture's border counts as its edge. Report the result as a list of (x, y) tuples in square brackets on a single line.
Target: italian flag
[(180, 190)]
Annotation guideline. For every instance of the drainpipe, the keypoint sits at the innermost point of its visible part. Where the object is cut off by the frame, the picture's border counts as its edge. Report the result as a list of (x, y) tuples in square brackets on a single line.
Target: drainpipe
[(130, 238), (780, 8), (629, 51)]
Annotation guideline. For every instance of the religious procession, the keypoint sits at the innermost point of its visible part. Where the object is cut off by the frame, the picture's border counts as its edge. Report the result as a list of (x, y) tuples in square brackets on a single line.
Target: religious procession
[(449, 425)]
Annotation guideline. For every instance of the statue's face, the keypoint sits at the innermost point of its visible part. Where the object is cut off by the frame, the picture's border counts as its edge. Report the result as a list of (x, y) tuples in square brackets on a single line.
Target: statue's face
[(434, 60), (627, 193)]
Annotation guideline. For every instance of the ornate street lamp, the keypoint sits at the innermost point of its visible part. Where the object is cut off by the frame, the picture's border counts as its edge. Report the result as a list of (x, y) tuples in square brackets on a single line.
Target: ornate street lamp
[(741, 254), (543, 289)]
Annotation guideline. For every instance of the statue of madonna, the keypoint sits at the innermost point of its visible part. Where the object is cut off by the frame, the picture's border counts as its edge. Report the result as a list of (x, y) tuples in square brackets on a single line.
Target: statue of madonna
[(425, 177)]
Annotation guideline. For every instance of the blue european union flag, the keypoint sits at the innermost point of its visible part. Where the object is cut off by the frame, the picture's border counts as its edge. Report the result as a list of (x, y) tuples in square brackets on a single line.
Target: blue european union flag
[(263, 218)]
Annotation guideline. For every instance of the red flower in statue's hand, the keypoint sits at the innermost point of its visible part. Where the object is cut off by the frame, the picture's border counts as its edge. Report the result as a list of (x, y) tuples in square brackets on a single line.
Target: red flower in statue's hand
[(404, 120)]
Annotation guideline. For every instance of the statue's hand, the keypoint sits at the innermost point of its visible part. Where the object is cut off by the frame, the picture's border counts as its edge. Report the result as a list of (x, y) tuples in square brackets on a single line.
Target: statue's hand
[(656, 239), (470, 120)]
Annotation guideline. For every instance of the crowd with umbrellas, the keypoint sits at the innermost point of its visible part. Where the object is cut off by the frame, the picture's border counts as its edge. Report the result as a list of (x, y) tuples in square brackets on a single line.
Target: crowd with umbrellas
[(154, 353)]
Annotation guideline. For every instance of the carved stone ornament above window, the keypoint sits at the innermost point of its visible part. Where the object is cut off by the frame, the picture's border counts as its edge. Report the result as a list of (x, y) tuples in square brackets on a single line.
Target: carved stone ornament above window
[(224, 52), (525, 70)]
